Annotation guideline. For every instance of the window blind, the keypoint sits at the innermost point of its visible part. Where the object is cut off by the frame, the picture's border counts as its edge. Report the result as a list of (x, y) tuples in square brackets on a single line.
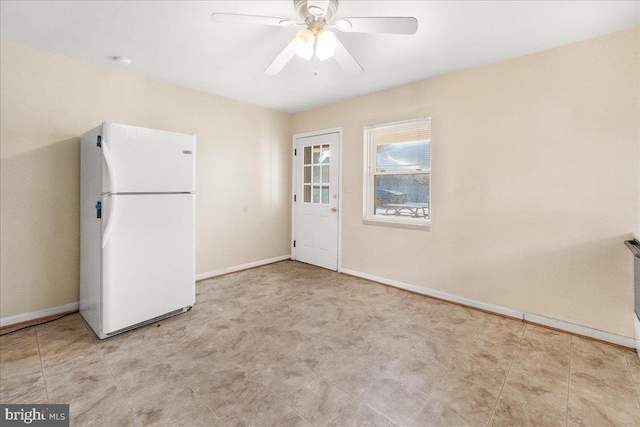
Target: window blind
[(401, 132)]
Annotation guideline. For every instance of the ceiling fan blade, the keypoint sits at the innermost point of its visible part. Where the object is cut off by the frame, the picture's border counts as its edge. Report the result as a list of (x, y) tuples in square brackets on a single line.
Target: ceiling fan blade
[(281, 60), (389, 25), (234, 18), (346, 61), (317, 7)]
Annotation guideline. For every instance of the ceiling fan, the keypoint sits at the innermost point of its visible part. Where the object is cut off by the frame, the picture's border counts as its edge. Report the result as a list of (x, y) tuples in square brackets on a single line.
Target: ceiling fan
[(317, 38)]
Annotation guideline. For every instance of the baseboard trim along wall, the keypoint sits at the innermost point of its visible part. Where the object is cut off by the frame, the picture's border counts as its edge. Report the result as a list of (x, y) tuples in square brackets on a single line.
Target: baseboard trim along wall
[(75, 306), (437, 294), (233, 269), (26, 317), (527, 317), (581, 330)]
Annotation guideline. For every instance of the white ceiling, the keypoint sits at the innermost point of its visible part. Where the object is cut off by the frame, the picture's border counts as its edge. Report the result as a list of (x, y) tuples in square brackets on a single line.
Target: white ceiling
[(177, 42)]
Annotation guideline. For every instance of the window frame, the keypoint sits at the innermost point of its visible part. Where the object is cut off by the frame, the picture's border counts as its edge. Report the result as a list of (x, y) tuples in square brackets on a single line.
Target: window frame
[(370, 172)]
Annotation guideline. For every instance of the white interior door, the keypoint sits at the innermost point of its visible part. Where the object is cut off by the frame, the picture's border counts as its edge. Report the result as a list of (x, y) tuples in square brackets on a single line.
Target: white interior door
[(317, 195), (148, 257)]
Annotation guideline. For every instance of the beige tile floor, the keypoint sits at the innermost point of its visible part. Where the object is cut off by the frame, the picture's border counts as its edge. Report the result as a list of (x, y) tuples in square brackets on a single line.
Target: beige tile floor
[(293, 345)]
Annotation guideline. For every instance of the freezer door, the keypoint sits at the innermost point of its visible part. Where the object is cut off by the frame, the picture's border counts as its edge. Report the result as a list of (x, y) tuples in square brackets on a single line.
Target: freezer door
[(148, 257), (140, 160)]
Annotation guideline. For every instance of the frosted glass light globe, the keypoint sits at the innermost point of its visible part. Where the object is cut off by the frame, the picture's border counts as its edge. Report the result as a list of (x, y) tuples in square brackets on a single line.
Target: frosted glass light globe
[(304, 43), (326, 45)]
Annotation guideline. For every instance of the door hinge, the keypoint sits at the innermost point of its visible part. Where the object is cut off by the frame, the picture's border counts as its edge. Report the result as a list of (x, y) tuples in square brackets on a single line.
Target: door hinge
[(99, 142), (294, 243), (294, 197), (98, 210), (295, 152)]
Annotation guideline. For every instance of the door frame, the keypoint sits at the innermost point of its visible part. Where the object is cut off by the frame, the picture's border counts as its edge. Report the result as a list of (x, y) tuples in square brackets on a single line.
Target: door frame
[(339, 131)]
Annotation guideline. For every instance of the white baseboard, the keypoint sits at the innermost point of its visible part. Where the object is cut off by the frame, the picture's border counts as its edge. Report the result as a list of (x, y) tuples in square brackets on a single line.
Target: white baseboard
[(529, 317), (437, 294), (533, 318), (74, 306), (228, 270), (25, 317), (581, 330)]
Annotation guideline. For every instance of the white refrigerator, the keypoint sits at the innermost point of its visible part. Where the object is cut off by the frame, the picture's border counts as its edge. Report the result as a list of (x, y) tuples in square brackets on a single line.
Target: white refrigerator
[(137, 226)]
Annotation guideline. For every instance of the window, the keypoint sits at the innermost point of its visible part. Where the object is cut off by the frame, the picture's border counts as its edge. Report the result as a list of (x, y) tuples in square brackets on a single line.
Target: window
[(316, 174), (398, 172)]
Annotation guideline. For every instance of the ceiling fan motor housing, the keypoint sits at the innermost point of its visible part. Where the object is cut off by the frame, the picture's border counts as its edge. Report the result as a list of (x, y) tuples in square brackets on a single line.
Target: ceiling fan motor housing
[(309, 18)]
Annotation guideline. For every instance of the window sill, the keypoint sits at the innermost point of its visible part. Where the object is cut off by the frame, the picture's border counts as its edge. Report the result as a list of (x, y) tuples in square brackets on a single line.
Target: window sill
[(411, 225)]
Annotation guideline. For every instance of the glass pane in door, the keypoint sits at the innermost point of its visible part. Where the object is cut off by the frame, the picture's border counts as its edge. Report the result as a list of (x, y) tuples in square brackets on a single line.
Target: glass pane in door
[(307, 155), (307, 174), (325, 174), (325, 195), (307, 194), (324, 156)]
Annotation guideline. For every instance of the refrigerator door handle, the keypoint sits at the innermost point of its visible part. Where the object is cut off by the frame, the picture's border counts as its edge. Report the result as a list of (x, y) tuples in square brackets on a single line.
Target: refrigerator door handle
[(107, 159), (112, 220)]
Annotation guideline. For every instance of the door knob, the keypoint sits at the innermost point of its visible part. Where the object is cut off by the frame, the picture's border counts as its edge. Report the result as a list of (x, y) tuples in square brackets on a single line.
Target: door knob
[(334, 209)]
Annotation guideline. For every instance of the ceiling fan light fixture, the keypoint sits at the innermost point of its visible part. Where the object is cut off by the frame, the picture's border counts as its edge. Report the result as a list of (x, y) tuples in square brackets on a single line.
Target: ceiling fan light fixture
[(326, 44), (304, 52), (305, 37), (344, 25), (304, 42)]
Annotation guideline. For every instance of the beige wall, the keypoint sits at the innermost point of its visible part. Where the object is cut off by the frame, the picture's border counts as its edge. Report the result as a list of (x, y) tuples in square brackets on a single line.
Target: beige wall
[(535, 177), (535, 182), (47, 101)]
